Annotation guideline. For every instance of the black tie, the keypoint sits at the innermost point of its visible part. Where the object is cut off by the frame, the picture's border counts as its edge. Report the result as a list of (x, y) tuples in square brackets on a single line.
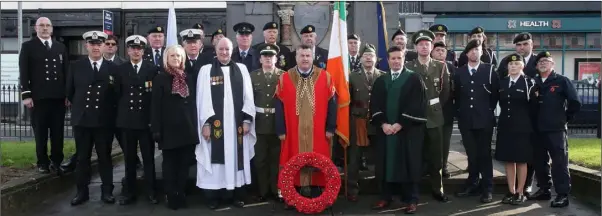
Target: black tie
[(136, 68), (95, 68), (512, 83), (47, 45), (192, 62), (472, 71), (157, 57)]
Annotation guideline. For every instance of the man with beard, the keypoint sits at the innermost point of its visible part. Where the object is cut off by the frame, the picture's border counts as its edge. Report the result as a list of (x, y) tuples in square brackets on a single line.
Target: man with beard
[(440, 31), (244, 53), (270, 33), (154, 53), (398, 106), (309, 38)]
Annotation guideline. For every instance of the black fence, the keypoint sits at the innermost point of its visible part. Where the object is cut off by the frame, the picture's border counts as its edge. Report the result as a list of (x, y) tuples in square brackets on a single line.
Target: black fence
[(16, 124)]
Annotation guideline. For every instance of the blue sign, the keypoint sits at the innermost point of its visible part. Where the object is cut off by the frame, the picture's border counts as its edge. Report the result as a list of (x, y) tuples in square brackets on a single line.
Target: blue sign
[(107, 22), (519, 24)]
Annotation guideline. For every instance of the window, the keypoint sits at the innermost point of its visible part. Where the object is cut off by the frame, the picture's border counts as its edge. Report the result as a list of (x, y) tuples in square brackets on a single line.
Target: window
[(593, 40), (77, 47), (505, 41), (574, 41), (460, 40), (552, 41), (11, 44), (491, 40), (503, 54), (536, 41)]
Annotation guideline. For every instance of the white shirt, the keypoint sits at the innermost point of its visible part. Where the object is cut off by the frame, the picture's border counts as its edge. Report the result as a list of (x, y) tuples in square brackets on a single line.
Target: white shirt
[(513, 80), (98, 63), (112, 58), (527, 58), (49, 41), (139, 64), (476, 68)]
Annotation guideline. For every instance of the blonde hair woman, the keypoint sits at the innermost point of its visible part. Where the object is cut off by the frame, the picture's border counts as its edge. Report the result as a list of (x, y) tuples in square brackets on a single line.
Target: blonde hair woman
[(173, 123), (513, 144)]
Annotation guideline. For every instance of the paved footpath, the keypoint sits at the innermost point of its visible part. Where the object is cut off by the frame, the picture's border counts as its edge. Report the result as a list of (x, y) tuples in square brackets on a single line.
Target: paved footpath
[(59, 204)]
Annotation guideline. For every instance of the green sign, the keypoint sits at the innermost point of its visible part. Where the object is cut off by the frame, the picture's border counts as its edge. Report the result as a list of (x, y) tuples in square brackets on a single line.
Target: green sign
[(518, 24)]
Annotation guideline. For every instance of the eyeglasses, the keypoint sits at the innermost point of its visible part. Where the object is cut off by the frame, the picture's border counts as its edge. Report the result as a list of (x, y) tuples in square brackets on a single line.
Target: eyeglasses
[(111, 44)]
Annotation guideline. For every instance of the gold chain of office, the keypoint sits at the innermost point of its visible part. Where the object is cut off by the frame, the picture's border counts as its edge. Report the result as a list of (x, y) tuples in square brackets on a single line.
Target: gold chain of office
[(306, 86)]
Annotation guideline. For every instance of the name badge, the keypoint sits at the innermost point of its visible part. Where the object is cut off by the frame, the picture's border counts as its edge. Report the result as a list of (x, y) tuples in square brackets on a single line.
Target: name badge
[(433, 101)]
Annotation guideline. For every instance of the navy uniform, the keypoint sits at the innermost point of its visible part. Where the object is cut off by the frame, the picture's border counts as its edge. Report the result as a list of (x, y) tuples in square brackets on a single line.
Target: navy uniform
[(267, 148), (558, 102), (354, 61), (208, 51), (155, 55), (476, 100), (488, 54), (134, 81), (442, 29), (514, 129), (91, 89), (283, 57), (529, 60), (320, 54), (250, 57), (42, 71)]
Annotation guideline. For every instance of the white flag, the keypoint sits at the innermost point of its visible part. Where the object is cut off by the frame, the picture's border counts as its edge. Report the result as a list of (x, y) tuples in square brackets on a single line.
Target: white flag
[(172, 28)]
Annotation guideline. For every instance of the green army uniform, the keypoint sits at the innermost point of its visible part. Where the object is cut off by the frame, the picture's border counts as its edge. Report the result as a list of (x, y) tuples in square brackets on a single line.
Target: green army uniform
[(267, 147), (360, 87), (436, 81)]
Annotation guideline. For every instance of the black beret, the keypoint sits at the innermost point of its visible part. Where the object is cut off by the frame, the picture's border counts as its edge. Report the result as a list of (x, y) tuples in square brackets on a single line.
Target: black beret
[(353, 36), (270, 25), (198, 26), (244, 28), (308, 29), (544, 54), (522, 37), (398, 32), (423, 35), (514, 57), (476, 30), (439, 29), (217, 32), (157, 29), (472, 44), (368, 48), (268, 49), (439, 44)]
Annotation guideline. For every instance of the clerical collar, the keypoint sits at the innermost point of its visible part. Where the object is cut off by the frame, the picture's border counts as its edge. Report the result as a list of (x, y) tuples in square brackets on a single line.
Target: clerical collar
[(225, 65)]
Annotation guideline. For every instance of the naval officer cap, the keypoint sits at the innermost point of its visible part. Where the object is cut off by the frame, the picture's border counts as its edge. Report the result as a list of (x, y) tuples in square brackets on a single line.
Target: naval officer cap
[(398, 32), (198, 26), (439, 44), (244, 28), (353, 37), (268, 49), (439, 29), (514, 57), (544, 54), (472, 44), (95, 37), (423, 35), (135, 41), (523, 36), (368, 48), (476, 30), (308, 29), (191, 34), (270, 25), (156, 29)]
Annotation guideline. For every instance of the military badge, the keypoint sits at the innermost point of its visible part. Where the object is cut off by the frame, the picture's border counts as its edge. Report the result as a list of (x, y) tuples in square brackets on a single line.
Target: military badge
[(94, 36), (217, 123), (190, 34), (219, 31), (525, 37), (479, 30), (513, 58), (548, 54), (274, 25), (282, 61), (553, 88), (440, 28), (110, 79), (158, 28), (61, 57), (310, 29), (137, 40), (217, 133)]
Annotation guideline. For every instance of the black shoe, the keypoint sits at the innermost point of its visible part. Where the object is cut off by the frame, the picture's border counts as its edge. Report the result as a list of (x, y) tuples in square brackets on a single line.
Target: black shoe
[(107, 195), (238, 203), (261, 199), (152, 199), (486, 197), (126, 199), (472, 190), (182, 200), (541, 194), (43, 169), (518, 199), (55, 167), (213, 205), (68, 166), (364, 164), (445, 174), (508, 198), (561, 201), (80, 198), (441, 197)]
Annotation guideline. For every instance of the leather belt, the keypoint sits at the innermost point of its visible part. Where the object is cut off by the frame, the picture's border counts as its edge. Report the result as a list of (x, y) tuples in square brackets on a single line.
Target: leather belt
[(360, 104), (265, 110)]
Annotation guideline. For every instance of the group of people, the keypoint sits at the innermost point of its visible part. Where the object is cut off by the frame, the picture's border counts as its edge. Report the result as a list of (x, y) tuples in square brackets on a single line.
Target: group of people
[(241, 112)]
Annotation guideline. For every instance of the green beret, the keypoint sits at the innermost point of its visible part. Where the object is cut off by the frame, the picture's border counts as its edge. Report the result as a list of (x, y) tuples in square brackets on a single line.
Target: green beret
[(368, 48), (439, 29), (477, 30), (544, 54)]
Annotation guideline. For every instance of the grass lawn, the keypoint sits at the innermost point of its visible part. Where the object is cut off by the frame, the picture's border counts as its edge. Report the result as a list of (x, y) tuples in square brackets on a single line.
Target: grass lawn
[(585, 152), (22, 154)]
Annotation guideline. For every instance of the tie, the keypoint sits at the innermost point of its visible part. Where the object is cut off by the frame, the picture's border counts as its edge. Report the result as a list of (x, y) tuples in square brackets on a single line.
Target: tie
[(512, 83), (243, 55), (369, 77), (192, 62), (268, 75), (395, 75), (95, 67), (472, 71), (157, 57), (47, 45), (352, 60), (136, 68)]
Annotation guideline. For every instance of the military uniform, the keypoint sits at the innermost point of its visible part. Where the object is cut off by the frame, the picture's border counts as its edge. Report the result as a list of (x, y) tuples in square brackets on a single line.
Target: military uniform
[(360, 87), (283, 57), (206, 54), (250, 57), (442, 29), (476, 101), (133, 119), (154, 55), (91, 88), (449, 113), (354, 61), (488, 54), (219, 33), (320, 54), (558, 102), (42, 71), (436, 79), (267, 148)]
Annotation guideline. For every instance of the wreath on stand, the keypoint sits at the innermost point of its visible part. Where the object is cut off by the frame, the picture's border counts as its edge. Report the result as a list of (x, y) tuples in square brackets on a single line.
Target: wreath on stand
[(286, 183)]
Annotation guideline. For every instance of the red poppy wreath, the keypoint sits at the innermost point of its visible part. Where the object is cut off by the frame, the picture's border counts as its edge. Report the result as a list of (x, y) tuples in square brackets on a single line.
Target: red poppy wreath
[(286, 183)]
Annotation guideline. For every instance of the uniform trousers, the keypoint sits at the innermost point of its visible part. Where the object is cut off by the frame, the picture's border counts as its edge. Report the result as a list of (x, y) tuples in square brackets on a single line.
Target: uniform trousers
[(432, 153), (354, 154), (409, 191), (267, 161), (553, 145), (48, 115), (446, 139), (132, 138), (87, 138), (175, 169), (477, 143)]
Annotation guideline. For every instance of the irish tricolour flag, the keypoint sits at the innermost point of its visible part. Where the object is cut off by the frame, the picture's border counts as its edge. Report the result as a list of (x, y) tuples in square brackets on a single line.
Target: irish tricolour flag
[(338, 67)]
